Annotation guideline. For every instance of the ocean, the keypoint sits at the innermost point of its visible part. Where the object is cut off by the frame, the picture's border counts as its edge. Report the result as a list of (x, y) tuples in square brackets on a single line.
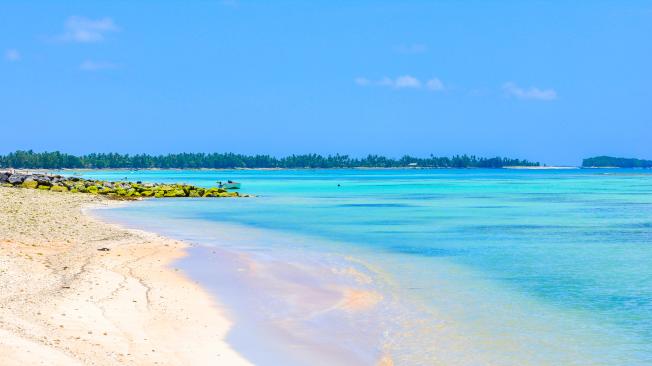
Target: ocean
[(423, 266)]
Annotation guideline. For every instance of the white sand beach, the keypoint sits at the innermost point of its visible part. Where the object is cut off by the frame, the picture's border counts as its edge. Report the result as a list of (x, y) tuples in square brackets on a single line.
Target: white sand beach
[(76, 291)]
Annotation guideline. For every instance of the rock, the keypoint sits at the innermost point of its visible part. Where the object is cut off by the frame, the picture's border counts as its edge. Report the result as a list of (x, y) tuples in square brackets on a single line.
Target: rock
[(116, 190), (43, 180), (175, 193), (58, 189), (29, 183), (17, 179)]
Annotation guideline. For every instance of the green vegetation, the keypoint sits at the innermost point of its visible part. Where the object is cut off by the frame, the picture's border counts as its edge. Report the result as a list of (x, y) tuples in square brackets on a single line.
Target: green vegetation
[(115, 190), (608, 161), (57, 160)]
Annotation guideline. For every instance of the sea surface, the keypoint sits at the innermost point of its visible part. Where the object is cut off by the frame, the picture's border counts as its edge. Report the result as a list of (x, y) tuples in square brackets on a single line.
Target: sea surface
[(426, 267)]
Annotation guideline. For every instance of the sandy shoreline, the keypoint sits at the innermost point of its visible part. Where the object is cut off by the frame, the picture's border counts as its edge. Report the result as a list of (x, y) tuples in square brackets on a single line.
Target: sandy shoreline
[(64, 302)]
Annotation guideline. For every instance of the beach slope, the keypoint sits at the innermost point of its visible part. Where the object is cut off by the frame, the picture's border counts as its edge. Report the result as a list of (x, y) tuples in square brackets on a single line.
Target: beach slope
[(76, 291)]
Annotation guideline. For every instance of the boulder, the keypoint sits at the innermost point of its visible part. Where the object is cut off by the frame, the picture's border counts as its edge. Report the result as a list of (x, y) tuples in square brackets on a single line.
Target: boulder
[(117, 190), (175, 193), (58, 189), (17, 179), (43, 180), (29, 183)]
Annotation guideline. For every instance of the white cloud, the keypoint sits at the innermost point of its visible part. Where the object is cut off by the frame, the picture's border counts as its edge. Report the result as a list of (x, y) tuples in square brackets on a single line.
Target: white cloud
[(89, 65), (529, 93), (362, 81), (407, 81), (12, 55), (414, 48), (85, 30), (435, 84), (402, 82)]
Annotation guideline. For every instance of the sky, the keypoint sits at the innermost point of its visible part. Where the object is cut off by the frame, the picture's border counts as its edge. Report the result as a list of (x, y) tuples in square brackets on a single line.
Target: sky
[(550, 81)]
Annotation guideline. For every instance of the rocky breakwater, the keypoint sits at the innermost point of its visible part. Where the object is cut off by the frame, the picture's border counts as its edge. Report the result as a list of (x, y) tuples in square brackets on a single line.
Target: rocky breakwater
[(116, 190)]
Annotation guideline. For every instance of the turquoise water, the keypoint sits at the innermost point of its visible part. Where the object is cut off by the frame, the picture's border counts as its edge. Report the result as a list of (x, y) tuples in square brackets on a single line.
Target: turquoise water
[(475, 267)]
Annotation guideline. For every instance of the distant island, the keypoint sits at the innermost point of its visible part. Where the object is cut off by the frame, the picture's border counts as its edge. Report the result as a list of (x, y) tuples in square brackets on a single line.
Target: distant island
[(609, 161), (58, 160)]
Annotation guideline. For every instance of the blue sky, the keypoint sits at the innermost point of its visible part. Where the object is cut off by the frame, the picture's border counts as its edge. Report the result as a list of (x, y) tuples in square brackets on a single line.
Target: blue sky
[(552, 81)]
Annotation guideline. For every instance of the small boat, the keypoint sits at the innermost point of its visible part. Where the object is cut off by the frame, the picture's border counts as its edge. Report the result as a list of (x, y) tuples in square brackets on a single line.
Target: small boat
[(229, 185)]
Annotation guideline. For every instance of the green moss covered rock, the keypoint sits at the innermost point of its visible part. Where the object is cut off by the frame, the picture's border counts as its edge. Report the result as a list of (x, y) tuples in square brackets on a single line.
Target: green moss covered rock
[(59, 189), (175, 193), (116, 190), (29, 184)]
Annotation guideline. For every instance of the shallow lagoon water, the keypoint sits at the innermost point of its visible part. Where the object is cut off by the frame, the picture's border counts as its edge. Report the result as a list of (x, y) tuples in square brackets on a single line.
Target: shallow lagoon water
[(503, 267)]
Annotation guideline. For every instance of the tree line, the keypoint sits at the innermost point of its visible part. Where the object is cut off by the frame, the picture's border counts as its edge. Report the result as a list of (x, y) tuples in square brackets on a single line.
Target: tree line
[(609, 161), (58, 160)]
